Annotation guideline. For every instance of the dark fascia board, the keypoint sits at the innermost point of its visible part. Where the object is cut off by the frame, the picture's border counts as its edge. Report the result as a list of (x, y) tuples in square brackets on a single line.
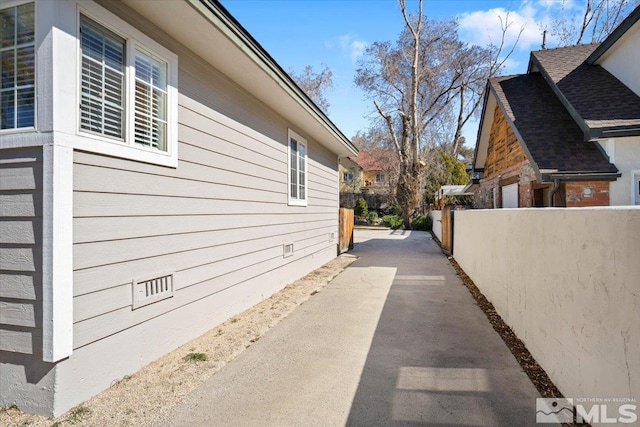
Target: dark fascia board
[(234, 26), (614, 36), (549, 177), (617, 132), (480, 125), (565, 102), (533, 163)]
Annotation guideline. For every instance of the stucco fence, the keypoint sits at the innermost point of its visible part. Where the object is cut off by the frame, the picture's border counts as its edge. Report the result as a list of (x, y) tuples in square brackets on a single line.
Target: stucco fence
[(436, 216), (567, 281)]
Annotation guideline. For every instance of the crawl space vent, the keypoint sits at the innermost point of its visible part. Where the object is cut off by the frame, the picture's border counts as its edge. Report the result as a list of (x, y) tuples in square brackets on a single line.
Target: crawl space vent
[(287, 250), (152, 290)]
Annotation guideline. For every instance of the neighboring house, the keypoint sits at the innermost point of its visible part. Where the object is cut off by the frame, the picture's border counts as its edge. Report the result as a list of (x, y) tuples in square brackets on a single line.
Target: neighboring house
[(567, 133), (378, 170), (351, 176), (159, 173)]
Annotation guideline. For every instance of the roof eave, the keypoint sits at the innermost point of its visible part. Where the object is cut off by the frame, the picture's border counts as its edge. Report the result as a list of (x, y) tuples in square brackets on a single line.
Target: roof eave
[(580, 176), (244, 41), (480, 125), (521, 140), (615, 132)]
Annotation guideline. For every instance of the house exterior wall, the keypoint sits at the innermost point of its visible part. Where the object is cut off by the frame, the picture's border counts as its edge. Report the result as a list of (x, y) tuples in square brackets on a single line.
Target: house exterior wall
[(587, 193), (622, 59), (625, 154), (506, 164), (217, 222), (570, 290), (23, 374), (347, 165)]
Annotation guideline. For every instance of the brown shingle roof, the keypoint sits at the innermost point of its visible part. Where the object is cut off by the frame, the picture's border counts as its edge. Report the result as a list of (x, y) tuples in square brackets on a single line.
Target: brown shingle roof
[(552, 138), (597, 100)]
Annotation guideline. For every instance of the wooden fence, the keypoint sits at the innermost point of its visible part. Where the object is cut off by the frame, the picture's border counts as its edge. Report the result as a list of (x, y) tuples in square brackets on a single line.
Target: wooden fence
[(345, 240)]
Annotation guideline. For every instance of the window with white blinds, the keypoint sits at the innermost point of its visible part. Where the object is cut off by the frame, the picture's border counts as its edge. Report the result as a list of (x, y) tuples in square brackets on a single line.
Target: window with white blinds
[(150, 101), (102, 99), (17, 65), (297, 169), (127, 87)]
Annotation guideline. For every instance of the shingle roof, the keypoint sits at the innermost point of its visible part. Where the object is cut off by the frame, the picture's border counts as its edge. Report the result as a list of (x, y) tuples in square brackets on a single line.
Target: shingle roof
[(596, 99), (375, 160), (552, 138)]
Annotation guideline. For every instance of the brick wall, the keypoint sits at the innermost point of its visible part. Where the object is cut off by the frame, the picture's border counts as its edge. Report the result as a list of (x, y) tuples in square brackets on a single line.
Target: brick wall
[(587, 193)]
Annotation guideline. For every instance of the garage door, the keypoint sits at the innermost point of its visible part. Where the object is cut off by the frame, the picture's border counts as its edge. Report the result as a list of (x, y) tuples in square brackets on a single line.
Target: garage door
[(510, 196)]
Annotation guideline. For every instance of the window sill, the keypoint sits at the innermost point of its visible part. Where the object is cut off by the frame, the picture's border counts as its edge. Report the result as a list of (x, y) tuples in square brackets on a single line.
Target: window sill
[(104, 146), (295, 202)]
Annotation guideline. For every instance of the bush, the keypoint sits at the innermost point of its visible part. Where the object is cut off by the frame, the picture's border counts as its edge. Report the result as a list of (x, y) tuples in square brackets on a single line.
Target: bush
[(361, 209), (372, 217), (393, 221), (422, 223)]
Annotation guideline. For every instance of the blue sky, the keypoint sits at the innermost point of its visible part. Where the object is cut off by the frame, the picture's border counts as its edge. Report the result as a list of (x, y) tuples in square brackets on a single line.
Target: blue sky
[(335, 32)]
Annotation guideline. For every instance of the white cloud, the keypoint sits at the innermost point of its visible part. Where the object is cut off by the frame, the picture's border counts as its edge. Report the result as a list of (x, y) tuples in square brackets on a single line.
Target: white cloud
[(352, 47), (484, 27)]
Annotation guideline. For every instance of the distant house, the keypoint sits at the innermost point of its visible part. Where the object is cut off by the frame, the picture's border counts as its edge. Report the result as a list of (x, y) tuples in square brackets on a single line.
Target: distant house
[(351, 175), (379, 167), (159, 173), (567, 133)]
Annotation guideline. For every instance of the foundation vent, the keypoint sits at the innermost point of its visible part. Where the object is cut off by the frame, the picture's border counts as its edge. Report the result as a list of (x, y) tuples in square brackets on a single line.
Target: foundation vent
[(287, 250), (148, 291)]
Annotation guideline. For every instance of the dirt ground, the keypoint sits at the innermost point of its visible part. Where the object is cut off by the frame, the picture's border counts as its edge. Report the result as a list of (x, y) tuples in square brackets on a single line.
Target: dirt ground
[(146, 397)]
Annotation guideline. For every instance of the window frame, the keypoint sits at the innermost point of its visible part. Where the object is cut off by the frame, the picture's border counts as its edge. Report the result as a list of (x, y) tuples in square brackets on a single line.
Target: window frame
[(380, 177), (344, 176), (135, 40), (15, 4), (297, 201)]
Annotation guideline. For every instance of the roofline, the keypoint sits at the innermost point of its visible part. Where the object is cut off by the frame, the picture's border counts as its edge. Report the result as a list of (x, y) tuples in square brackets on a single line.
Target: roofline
[(616, 132), (480, 124), (582, 176), (620, 30), (245, 41), (519, 137), (565, 102)]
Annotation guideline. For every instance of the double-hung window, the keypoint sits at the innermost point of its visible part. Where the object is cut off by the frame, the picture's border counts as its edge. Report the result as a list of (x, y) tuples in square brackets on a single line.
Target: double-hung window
[(297, 169), (17, 64), (127, 88), (102, 87)]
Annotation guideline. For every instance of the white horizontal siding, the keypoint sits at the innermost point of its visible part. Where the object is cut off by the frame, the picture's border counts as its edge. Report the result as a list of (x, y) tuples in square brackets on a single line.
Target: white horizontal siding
[(21, 250)]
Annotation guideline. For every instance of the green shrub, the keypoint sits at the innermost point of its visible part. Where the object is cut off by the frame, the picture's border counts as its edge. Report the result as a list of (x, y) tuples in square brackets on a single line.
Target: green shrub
[(422, 223), (393, 221), (372, 217), (361, 208)]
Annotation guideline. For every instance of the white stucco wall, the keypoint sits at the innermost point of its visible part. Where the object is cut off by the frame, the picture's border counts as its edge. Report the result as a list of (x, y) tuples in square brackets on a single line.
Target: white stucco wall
[(568, 282), (437, 223), (623, 58), (625, 154)]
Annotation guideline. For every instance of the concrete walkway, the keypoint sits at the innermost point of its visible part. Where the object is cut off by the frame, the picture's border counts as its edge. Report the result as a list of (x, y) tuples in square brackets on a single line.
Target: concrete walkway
[(396, 339)]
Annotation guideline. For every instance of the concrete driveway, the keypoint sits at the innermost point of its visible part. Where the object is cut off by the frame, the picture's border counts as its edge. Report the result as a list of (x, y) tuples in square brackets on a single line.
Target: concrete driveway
[(396, 339)]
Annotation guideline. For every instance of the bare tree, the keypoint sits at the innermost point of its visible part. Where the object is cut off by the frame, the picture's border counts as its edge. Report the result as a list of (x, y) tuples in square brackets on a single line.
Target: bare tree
[(476, 64), (315, 84), (411, 82), (595, 17), (416, 83)]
